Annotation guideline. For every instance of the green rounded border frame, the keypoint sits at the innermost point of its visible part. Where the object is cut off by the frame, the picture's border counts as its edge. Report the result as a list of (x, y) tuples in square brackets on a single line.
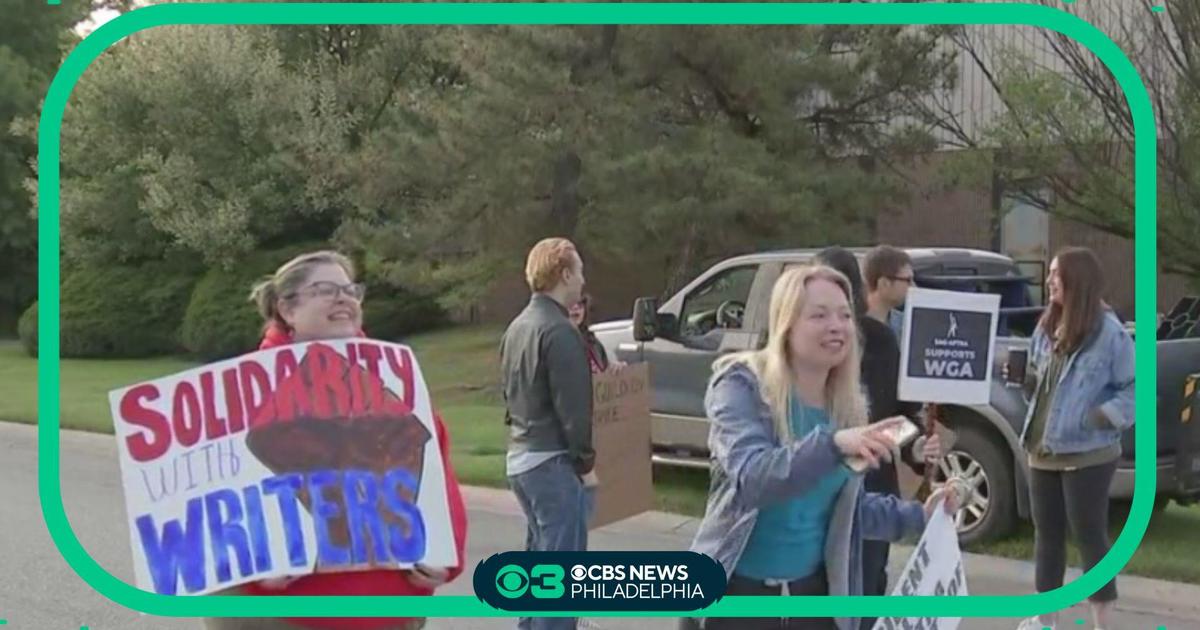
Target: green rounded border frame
[(1145, 244)]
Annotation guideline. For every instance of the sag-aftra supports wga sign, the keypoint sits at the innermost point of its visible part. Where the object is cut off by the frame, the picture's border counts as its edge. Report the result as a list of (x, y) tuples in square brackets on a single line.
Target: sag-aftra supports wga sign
[(599, 580)]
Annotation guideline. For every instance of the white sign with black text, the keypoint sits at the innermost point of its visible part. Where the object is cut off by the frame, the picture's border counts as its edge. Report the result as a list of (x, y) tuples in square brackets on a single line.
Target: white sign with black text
[(946, 349), (935, 568)]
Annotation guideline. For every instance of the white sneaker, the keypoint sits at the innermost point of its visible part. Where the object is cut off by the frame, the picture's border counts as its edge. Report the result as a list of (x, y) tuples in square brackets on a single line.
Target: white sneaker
[(1035, 623)]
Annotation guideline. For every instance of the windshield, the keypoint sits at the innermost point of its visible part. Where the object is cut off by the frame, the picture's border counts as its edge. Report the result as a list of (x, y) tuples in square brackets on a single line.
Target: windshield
[(1018, 312)]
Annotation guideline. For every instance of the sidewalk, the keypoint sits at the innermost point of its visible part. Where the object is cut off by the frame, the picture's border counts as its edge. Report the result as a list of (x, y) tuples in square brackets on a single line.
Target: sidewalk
[(1145, 604)]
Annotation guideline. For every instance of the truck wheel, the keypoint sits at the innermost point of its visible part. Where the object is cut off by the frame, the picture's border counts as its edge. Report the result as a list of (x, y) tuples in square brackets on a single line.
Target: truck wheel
[(986, 463)]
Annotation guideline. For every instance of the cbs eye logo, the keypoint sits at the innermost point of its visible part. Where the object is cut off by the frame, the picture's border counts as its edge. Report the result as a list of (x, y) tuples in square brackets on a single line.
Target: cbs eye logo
[(544, 581)]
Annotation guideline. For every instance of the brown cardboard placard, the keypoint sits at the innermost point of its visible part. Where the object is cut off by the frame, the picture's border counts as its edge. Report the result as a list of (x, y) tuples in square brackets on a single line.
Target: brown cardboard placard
[(621, 439)]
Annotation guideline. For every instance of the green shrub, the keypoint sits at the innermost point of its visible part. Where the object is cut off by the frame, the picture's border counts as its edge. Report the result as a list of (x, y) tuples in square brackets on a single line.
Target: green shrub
[(27, 330), (391, 313), (123, 311), (220, 321)]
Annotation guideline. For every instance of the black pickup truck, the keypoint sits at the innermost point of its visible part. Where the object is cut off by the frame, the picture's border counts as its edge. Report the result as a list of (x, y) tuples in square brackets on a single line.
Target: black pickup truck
[(725, 310)]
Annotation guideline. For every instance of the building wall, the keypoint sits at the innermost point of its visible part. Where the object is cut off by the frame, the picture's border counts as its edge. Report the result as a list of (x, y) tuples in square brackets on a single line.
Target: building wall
[(937, 213)]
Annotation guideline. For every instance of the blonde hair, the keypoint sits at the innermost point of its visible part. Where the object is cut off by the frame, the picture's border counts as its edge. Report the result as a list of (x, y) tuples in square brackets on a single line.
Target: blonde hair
[(546, 262), (288, 278), (845, 402)]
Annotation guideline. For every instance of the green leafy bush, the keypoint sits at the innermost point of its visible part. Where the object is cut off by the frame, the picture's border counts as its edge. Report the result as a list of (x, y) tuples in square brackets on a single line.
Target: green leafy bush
[(122, 311), (220, 321), (27, 330)]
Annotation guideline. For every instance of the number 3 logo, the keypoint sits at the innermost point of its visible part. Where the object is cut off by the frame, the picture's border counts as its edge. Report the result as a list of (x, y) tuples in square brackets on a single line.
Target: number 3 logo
[(551, 578)]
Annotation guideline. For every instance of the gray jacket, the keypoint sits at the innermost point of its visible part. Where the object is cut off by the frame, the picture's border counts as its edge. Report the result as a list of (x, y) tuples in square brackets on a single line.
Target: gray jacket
[(547, 384), (751, 469)]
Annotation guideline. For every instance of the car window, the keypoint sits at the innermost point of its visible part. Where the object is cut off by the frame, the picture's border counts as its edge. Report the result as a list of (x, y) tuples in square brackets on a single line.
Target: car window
[(719, 303), (1015, 293)]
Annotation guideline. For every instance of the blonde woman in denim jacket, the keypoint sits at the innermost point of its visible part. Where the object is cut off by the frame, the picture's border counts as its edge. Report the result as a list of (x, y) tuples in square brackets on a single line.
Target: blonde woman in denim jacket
[(785, 514), (1080, 389)]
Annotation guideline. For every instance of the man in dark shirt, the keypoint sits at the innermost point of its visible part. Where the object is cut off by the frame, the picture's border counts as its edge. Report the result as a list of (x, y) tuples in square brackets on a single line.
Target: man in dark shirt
[(880, 378), (547, 388)]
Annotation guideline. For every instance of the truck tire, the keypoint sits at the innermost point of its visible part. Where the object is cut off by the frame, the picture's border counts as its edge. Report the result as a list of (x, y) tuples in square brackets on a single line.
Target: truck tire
[(986, 460)]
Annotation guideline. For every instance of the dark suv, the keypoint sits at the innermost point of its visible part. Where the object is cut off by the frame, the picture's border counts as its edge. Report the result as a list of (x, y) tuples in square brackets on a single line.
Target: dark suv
[(725, 310)]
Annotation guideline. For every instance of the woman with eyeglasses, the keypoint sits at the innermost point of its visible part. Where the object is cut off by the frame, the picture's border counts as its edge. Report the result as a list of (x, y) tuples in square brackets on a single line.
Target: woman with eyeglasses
[(313, 297)]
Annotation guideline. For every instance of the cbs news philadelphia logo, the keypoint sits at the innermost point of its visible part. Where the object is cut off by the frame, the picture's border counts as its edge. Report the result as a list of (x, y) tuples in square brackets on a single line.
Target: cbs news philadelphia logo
[(599, 580)]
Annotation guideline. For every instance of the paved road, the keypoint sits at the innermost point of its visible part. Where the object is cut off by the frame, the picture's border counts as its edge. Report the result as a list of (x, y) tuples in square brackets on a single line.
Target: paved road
[(39, 591)]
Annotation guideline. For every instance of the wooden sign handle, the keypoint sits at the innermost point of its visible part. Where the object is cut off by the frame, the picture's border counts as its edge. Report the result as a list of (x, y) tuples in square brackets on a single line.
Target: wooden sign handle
[(931, 419)]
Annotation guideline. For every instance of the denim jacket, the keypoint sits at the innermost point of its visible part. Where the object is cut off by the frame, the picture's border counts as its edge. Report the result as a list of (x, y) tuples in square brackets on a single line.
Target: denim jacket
[(750, 469), (1093, 402)]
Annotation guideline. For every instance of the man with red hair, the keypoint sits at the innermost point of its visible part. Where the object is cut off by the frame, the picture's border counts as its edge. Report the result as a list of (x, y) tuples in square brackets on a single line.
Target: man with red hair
[(547, 389)]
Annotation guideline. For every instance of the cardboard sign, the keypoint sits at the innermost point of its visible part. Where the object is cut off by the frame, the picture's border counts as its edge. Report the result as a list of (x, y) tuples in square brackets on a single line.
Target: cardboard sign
[(934, 568), (318, 456), (621, 439), (946, 350)]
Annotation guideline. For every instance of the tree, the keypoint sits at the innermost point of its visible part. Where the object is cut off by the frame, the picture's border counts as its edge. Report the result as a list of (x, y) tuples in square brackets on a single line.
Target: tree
[(217, 139), (32, 39), (666, 145), (437, 155), (1066, 140)]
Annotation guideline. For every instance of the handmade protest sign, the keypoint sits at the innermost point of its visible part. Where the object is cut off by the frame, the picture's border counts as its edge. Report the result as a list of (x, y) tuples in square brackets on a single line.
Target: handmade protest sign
[(621, 439), (317, 456), (946, 350), (934, 568)]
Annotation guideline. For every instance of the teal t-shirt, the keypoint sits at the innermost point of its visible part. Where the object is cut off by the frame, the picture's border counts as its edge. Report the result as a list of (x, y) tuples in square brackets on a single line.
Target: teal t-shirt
[(788, 540)]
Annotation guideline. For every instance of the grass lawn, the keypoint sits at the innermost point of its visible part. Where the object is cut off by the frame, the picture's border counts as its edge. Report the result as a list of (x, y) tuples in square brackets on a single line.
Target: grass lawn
[(1167, 551), (83, 385), (460, 367)]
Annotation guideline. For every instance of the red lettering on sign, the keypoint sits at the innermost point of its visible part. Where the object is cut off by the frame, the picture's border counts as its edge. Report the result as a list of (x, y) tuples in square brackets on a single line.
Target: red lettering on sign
[(233, 401), (256, 392), (185, 415), (132, 412), (401, 363), (214, 424), (357, 404), (291, 397), (327, 369)]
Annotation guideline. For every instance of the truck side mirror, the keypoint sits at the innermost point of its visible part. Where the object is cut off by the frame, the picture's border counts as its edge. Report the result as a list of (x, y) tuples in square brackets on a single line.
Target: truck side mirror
[(645, 319)]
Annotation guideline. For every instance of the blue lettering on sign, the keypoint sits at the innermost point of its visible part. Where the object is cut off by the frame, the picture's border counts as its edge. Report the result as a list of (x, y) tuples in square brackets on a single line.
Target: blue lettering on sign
[(287, 487), (362, 498), (323, 510), (228, 523), (178, 551), (257, 525), (410, 546), (225, 530)]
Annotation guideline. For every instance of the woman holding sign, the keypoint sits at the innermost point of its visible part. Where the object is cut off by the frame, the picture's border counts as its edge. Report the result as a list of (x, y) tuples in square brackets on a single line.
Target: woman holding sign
[(788, 513), (314, 297), (1081, 401)]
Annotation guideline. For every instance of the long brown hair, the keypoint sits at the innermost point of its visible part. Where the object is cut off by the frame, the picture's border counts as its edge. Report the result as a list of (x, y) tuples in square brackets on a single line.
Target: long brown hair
[(1082, 280)]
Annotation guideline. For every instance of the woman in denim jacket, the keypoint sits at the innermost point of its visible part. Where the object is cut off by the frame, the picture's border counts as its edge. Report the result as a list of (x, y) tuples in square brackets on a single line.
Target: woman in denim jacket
[(1080, 390), (784, 509)]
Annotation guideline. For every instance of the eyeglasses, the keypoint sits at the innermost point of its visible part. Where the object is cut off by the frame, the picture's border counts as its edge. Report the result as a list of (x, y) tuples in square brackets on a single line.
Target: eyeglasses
[(331, 290), (904, 279)]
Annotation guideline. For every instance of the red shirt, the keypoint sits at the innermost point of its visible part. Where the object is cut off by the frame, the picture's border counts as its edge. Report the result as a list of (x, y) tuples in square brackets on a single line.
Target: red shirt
[(374, 582)]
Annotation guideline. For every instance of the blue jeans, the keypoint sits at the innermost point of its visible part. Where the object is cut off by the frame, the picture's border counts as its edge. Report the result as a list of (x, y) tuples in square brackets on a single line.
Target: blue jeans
[(557, 509)]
